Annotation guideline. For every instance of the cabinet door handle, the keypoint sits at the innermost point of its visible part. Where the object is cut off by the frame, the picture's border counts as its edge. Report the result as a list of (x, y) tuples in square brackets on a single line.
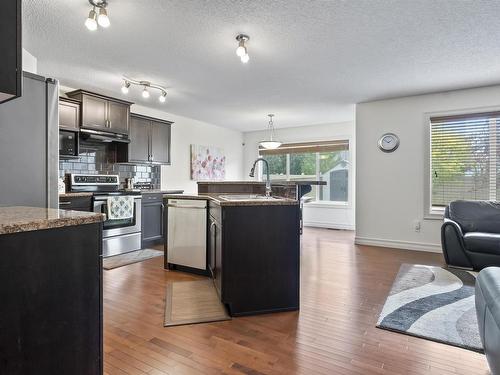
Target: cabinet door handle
[(64, 203)]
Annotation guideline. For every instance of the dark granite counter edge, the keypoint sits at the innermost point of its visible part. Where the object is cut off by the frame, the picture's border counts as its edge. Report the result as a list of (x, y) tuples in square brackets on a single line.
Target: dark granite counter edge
[(25, 219), (221, 202)]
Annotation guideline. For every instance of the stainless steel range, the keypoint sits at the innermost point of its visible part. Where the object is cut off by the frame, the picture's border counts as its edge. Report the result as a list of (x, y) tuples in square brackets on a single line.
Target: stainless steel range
[(119, 235)]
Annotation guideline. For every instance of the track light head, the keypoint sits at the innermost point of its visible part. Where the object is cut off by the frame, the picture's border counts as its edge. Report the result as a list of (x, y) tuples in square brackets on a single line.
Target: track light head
[(163, 97), (91, 22), (145, 93), (103, 19), (125, 87)]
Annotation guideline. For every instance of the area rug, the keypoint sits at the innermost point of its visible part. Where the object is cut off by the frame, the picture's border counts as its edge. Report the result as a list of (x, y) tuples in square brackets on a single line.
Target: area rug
[(190, 302), (433, 303), (128, 258)]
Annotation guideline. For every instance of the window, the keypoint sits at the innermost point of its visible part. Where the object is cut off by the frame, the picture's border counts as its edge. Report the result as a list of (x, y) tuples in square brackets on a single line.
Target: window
[(464, 158), (325, 161)]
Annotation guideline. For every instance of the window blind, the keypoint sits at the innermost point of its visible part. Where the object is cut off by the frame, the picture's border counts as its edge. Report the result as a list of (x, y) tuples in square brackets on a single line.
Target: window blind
[(465, 157), (303, 147)]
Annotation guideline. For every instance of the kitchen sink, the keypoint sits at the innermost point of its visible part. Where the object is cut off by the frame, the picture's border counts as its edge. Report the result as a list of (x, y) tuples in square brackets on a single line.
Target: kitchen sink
[(246, 197)]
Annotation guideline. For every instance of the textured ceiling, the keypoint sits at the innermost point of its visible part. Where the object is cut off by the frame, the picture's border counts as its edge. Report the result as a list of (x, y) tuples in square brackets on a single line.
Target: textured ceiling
[(309, 60)]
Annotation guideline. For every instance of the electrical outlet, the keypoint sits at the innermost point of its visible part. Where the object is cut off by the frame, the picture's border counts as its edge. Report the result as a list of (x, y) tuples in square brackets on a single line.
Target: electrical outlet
[(417, 225)]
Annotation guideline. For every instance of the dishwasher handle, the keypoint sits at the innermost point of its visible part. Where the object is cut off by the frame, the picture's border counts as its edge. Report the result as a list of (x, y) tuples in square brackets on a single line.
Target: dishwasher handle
[(190, 207)]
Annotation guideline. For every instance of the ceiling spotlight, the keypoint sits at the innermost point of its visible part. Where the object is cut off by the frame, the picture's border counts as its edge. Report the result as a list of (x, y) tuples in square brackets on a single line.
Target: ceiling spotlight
[(103, 19), (245, 58), (125, 87), (145, 93), (242, 51), (163, 97), (93, 19), (91, 22)]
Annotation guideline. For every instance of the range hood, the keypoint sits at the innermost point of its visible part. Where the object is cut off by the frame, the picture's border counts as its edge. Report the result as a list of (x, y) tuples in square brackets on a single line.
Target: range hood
[(105, 137)]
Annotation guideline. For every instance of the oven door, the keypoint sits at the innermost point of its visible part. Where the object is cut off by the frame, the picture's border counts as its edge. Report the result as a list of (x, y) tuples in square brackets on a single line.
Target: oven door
[(119, 227)]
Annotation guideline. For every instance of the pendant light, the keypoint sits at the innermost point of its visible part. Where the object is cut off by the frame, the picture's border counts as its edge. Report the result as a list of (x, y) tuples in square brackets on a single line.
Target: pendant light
[(271, 143)]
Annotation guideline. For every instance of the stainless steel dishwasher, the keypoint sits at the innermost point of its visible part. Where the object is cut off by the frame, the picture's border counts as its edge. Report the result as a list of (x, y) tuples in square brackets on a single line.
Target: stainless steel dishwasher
[(187, 233)]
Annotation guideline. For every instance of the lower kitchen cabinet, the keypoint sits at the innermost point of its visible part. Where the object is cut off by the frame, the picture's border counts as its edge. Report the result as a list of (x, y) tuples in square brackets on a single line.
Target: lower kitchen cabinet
[(76, 203), (152, 212), (254, 257), (51, 296)]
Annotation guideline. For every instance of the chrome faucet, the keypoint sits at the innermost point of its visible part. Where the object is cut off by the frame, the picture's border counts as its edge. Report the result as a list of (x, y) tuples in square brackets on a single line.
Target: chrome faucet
[(268, 179)]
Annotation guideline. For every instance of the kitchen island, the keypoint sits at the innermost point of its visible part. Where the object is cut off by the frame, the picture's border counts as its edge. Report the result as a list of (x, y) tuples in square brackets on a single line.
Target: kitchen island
[(51, 291), (253, 250)]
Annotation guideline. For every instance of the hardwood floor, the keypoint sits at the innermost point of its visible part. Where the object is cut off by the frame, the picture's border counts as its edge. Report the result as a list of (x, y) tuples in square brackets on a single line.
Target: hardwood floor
[(343, 288)]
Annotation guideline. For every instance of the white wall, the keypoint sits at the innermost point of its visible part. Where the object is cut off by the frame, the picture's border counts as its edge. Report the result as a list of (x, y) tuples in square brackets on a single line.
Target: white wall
[(390, 187), (29, 62), (315, 214), (186, 131)]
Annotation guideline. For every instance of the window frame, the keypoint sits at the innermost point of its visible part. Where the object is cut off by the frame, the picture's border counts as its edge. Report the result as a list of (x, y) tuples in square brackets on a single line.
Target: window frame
[(430, 212), (350, 188)]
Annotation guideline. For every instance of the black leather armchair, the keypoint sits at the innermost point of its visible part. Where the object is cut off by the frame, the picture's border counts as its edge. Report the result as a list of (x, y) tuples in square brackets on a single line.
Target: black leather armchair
[(488, 315), (470, 234)]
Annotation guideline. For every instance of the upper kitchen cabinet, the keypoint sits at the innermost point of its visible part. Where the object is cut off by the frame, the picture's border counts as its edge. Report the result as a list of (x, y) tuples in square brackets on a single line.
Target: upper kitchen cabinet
[(69, 114), (149, 141), (99, 112), (10, 45)]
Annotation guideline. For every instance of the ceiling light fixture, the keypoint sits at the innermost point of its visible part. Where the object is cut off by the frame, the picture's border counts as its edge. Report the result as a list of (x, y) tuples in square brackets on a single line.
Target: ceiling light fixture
[(242, 51), (126, 85), (93, 19), (271, 143), (146, 87)]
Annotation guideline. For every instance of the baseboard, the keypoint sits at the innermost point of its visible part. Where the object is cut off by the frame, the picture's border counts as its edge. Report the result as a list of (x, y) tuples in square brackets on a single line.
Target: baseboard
[(321, 224), (406, 245)]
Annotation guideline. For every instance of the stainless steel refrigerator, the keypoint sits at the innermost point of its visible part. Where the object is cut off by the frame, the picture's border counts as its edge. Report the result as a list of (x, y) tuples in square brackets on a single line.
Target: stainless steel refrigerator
[(29, 145)]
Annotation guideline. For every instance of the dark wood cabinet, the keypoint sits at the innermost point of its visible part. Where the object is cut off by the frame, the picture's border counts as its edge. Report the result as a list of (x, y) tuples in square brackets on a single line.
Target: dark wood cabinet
[(160, 142), (118, 117), (139, 139), (69, 114), (99, 112), (11, 47), (150, 141), (76, 203), (152, 216), (51, 293)]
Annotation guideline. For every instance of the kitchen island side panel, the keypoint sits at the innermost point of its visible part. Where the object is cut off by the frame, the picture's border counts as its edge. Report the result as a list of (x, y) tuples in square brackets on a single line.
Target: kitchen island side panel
[(51, 295), (261, 259)]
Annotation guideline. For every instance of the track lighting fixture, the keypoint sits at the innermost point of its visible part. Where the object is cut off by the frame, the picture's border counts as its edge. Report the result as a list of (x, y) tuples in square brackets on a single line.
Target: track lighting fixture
[(242, 51), (146, 85), (94, 19), (270, 143)]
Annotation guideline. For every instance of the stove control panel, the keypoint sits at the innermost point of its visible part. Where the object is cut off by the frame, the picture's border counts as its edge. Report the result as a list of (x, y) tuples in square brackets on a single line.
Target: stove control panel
[(94, 179)]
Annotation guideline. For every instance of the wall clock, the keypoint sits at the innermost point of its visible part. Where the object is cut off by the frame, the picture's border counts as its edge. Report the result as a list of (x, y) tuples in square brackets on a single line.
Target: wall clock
[(389, 142)]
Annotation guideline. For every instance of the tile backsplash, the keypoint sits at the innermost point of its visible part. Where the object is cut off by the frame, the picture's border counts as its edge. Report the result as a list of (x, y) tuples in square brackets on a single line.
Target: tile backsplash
[(100, 158)]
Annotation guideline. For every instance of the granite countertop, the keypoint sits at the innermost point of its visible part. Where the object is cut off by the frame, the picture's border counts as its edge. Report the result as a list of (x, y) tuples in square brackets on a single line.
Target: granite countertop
[(159, 191), (24, 219), (273, 182), (216, 198), (70, 195)]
